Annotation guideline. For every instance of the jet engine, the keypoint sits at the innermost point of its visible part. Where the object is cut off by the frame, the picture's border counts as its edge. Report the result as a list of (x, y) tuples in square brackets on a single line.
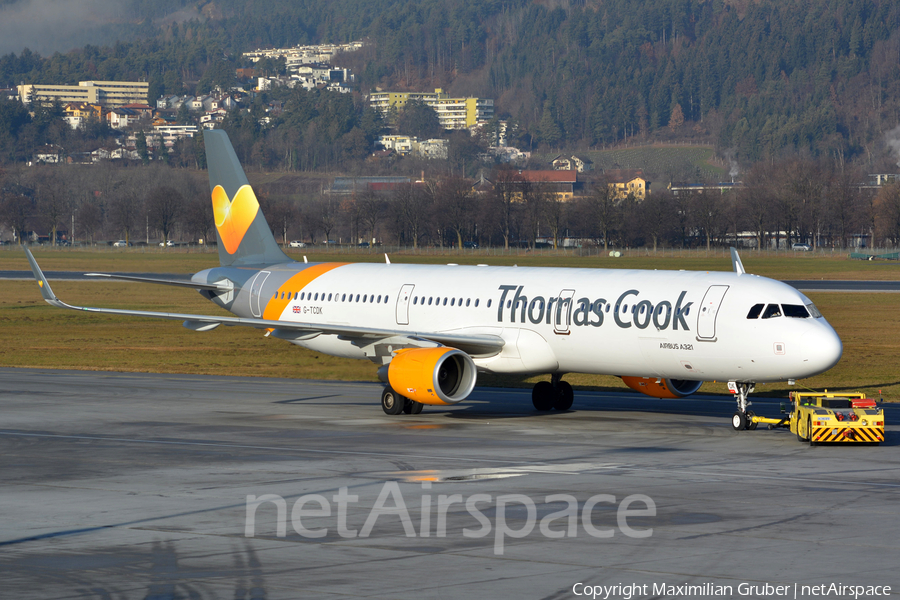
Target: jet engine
[(439, 376), (662, 388)]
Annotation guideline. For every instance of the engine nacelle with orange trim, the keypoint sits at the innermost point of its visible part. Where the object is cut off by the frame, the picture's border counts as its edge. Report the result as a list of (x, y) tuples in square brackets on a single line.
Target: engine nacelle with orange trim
[(438, 376), (665, 388)]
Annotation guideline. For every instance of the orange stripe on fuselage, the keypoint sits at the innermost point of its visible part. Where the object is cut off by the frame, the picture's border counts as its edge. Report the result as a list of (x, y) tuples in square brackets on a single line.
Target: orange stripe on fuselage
[(276, 305)]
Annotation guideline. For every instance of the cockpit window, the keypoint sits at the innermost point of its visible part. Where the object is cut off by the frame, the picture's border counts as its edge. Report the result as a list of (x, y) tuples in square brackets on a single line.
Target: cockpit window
[(813, 311), (772, 310), (797, 311), (754, 312)]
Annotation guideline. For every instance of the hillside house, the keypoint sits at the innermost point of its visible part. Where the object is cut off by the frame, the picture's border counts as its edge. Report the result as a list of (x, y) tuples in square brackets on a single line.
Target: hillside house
[(77, 114), (628, 182), (572, 163)]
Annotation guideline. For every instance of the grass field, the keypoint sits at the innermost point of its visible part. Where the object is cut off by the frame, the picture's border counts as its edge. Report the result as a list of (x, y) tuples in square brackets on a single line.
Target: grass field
[(34, 334)]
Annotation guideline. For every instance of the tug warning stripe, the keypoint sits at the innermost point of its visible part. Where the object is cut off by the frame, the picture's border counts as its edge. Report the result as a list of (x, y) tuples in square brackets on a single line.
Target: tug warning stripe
[(848, 434)]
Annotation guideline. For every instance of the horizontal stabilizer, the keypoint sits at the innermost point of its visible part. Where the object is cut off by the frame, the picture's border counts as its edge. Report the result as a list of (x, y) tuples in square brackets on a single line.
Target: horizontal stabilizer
[(196, 285)]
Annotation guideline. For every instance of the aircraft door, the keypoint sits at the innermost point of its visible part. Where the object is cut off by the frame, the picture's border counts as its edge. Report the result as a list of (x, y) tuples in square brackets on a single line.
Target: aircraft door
[(255, 290), (709, 308), (562, 312), (403, 299)]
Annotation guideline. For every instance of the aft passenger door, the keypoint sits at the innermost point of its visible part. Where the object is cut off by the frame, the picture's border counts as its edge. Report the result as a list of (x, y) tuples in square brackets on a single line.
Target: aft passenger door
[(403, 304), (255, 290), (709, 308), (562, 316)]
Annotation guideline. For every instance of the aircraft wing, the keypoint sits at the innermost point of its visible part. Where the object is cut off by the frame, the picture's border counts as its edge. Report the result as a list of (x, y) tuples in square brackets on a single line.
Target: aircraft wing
[(477, 345)]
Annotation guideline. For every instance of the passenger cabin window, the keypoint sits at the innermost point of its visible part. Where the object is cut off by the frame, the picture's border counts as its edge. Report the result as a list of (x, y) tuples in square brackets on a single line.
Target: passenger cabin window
[(797, 311), (754, 312), (772, 310)]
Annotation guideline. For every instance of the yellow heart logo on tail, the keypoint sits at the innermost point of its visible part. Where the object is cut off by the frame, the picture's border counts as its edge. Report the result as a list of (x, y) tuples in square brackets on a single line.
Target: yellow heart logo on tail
[(234, 217)]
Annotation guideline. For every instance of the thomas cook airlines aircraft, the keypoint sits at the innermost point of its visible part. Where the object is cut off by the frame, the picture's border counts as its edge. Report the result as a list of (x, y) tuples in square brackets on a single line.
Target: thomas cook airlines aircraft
[(432, 329)]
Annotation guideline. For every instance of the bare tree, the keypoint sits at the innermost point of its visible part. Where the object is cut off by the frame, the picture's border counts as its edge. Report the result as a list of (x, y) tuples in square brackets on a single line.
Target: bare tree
[(507, 187), (844, 204), (556, 213), (53, 198), (655, 216), (534, 198), (17, 202), (165, 206), (603, 211), (281, 214), (90, 216), (455, 206), (887, 207), (372, 209), (757, 200), (706, 208), (325, 214), (413, 207), (15, 209)]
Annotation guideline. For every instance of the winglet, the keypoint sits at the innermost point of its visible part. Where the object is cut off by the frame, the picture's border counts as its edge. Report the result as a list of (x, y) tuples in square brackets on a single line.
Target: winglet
[(46, 291), (736, 262)]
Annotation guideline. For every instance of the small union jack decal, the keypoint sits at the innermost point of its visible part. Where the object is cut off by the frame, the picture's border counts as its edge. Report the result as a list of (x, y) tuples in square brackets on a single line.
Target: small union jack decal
[(296, 310)]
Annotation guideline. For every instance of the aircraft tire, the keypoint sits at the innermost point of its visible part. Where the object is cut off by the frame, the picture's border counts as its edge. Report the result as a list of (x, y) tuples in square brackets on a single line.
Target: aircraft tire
[(750, 424), (565, 396), (542, 395), (412, 407), (739, 421), (392, 403)]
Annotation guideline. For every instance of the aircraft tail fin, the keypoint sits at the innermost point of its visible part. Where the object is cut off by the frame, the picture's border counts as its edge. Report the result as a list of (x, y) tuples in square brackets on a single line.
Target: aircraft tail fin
[(244, 235)]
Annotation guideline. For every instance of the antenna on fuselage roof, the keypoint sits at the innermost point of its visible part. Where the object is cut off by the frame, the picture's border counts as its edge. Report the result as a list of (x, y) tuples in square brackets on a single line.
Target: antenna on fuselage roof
[(387, 261), (304, 259), (736, 262)]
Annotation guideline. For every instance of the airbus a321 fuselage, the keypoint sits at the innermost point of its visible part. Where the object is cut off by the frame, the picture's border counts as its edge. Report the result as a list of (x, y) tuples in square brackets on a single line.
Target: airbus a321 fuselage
[(432, 329)]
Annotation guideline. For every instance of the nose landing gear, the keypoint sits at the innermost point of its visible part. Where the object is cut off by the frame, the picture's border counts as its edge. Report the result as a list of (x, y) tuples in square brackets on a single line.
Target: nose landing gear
[(742, 417)]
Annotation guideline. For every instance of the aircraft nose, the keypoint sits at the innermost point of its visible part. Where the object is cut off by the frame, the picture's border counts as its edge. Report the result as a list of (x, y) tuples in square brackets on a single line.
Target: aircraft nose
[(822, 348)]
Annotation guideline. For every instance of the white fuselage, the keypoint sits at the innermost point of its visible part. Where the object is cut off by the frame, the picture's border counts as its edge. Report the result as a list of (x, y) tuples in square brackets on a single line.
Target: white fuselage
[(669, 324)]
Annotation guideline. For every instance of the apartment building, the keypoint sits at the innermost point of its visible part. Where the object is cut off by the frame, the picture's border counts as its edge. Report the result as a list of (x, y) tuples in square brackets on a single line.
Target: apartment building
[(109, 94), (299, 55), (453, 113)]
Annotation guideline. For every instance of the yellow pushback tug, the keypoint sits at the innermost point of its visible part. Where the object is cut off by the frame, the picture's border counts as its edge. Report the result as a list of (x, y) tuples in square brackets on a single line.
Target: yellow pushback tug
[(828, 417)]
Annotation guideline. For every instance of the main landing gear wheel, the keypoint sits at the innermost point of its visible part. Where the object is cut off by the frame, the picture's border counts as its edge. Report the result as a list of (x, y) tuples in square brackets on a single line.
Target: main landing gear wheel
[(543, 395), (564, 396), (412, 407), (392, 403), (547, 395)]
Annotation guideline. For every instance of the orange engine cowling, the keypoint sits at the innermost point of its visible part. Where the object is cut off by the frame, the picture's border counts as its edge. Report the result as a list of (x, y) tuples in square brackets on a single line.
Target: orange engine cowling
[(438, 376), (666, 388)]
